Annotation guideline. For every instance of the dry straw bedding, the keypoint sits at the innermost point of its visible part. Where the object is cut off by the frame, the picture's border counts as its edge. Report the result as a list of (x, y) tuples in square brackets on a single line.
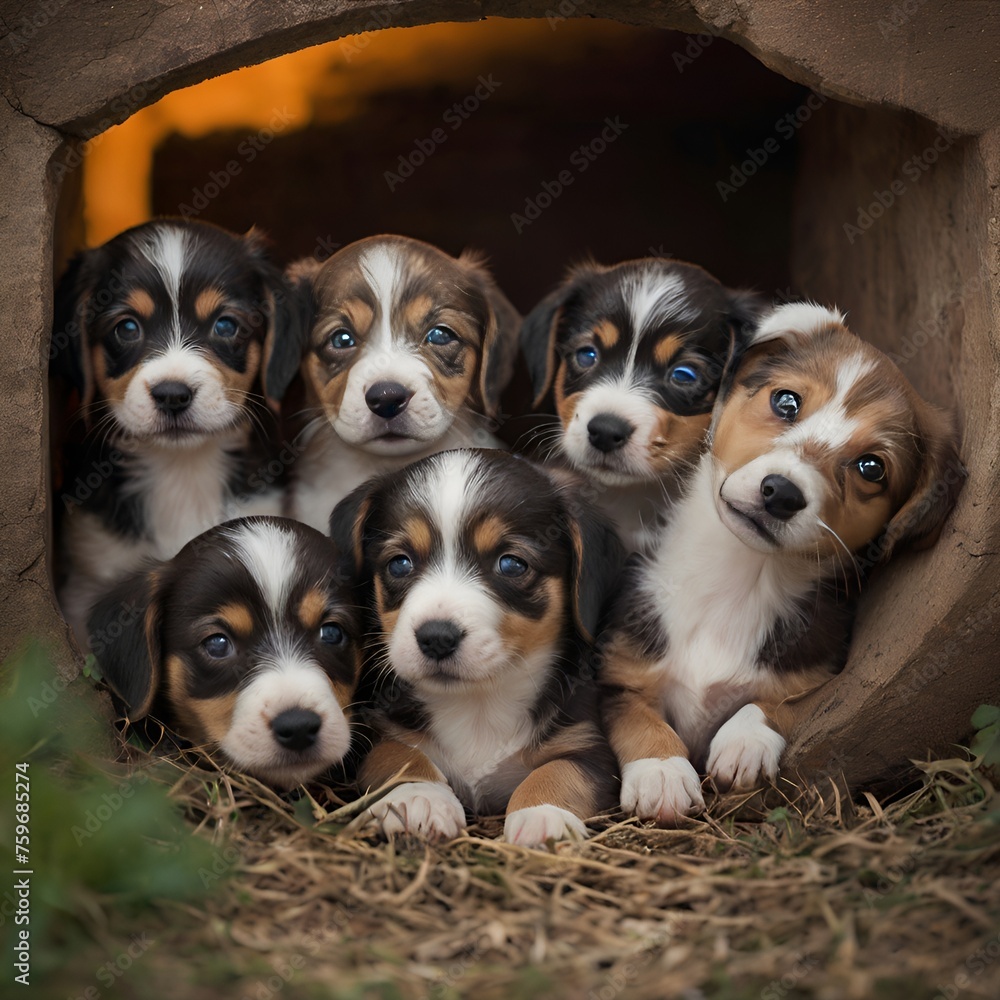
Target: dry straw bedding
[(821, 898)]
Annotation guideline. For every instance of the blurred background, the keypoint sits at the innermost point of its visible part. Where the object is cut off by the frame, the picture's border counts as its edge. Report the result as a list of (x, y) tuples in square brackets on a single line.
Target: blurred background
[(337, 142)]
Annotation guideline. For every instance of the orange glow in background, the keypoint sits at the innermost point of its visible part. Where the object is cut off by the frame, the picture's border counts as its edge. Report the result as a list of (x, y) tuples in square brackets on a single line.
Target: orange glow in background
[(324, 84)]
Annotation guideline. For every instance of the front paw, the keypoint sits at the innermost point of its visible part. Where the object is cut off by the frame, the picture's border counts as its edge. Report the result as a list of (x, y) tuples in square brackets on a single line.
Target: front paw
[(745, 751), (427, 809), (535, 825), (665, 790)]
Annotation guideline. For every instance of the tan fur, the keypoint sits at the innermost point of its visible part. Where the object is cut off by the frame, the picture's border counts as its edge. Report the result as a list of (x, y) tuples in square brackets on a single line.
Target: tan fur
[(390, 759), (140, 302), (525, 635), (676, 439), (561, 783), (607, 334), (237, 618), (207, 302), (666, 348), (488, 534), (311, 609)]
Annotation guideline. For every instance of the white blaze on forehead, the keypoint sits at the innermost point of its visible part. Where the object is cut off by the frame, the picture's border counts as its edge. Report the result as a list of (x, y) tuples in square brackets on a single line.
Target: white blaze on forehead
[(652, 299), (830, 425), (166, 249), (445, 492), (383, 268), (268, 552), (801, 318)]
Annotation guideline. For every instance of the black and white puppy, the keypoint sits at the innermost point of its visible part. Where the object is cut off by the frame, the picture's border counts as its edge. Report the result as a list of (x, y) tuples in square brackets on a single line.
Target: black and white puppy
[(173, 335), (407, 354), (823, 459), (246, 642), (487, 580), (633, 355)]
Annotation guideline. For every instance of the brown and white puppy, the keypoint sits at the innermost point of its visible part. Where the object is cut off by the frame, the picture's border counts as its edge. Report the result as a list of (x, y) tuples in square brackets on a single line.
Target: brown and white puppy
[(488, 582), (634, 354), (247, 642), (823, 459), (172, 334), (408, 353)]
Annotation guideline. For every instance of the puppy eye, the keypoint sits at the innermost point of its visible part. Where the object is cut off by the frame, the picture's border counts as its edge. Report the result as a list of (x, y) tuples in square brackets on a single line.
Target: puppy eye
[(511, 566), (331, 633), (341, 339), (399, 566), (684, 375), (871, 468), (586, 357), (128, 331), (439, 336), (785, 404), (217, 646), (226, 327)]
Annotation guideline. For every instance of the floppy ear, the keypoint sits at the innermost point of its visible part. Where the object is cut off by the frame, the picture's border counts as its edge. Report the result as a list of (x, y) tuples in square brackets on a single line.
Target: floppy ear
[(794, 322), (499, 338), (69, 348), (919, 521), (348, 520), (745, 311), (598, 558), (124, 632), (283, 341)]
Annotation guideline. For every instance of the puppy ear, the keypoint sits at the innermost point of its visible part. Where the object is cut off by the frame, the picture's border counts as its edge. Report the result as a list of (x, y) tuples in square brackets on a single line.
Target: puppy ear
[(919, 521), (745, 311), (348, 521), (69, 349), (124, 633), (499, 351), (598, 558), (794, 322)]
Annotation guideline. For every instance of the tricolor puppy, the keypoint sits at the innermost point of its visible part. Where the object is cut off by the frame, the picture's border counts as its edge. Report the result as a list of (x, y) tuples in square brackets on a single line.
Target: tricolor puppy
[(634, 354), (246, 642), (488, 581), (408, 353), (173, 333), (822, 460)]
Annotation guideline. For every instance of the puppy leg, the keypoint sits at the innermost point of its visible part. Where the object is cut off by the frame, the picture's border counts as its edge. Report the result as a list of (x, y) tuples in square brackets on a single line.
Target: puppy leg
[(552, 802), (425, 805), (747, 749), (658, 780)]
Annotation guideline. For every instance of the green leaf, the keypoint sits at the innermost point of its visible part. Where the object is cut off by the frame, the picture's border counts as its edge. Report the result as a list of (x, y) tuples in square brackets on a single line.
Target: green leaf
[(985, 715)]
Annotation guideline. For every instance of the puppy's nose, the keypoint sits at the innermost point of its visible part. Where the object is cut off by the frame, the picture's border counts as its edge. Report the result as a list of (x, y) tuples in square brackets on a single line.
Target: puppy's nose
[(608, 432), (296, 728), (172, 397), (387, 399), (782, 498), (438, 639)]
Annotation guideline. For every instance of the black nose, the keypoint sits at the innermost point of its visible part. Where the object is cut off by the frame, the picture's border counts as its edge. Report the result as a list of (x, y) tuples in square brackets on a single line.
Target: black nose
[(387, 399), (296, 728), (438, 639), (172, 397), (608, 432), (782, 498)]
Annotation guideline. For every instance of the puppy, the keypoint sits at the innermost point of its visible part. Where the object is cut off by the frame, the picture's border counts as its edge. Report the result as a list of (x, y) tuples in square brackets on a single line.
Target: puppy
[(172, 334), (634, 354), (408, 352), (487, 581), (823, 459), (246, 642)]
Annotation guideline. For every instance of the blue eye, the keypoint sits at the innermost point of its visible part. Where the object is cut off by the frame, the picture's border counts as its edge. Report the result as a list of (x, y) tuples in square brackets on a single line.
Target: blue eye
[(341, 339), (785, 404), (871, 467), (226, 327), (512, 566), (683, 375), (128, 331), (439, 336), (332, 633), (217, 646), (586, 357), (400, 566)]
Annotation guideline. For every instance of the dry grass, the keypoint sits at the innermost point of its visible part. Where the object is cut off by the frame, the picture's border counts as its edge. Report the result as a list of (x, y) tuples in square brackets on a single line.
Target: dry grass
[(821, 899)]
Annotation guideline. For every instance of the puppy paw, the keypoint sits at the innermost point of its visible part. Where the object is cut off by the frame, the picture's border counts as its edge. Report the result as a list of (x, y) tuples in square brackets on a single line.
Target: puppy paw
[(745, 751), (665, 790), (427, 809), (534, 825)]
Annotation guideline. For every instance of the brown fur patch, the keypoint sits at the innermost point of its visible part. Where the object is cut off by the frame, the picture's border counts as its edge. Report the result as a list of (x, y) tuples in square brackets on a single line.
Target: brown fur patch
[(488, 534), (565, 405), (415, 313), (676, 439), (387, 618), (389, 759), (140, 302), (562, 783), (567, 742), (607, 334), (418, 535), (238, 619), (311, 609), (207, 302), (525, 635), (210, 718), (666, 348)]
